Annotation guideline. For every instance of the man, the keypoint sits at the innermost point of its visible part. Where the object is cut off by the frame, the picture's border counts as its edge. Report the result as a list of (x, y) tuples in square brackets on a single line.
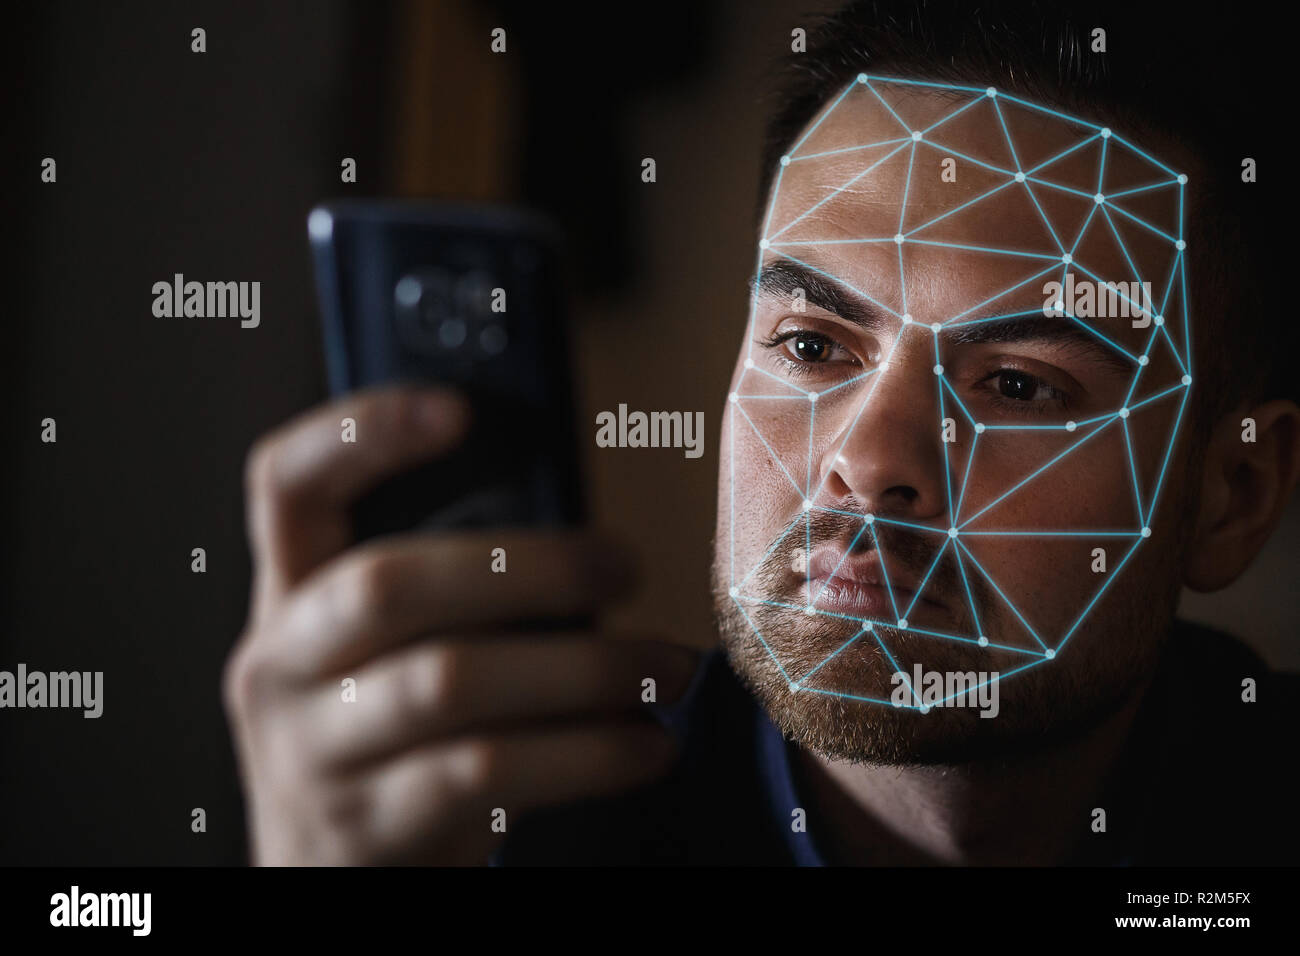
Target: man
[(924, 490)]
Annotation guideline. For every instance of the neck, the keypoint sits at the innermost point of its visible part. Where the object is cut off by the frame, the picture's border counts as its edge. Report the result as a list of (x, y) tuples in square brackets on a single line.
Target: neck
[(1032, 808)]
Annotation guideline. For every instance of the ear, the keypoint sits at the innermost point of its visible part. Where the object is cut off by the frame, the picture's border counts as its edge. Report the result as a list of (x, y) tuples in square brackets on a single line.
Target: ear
[(1245, 487)]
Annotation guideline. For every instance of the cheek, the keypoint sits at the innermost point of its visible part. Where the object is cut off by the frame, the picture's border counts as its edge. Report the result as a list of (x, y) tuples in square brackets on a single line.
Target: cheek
[(766, 498), (1050, 578), (775, 434), (1021, 482)]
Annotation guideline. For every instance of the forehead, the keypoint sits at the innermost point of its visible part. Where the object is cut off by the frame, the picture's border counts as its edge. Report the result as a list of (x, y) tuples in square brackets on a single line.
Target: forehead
[(985, 192)]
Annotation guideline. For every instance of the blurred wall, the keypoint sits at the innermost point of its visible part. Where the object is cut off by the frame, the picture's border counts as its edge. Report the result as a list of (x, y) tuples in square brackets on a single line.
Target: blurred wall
[(168, 161)]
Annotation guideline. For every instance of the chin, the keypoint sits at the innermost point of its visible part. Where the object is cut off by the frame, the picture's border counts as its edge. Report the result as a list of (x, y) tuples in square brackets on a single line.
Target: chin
[(1038, 709), (841, 728)]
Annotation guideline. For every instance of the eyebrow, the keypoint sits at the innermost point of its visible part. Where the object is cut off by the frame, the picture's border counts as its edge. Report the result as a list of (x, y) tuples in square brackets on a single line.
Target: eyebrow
[(781, 278)]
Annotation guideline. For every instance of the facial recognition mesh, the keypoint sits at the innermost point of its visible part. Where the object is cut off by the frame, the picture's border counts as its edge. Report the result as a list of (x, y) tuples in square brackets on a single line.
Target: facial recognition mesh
[(1112, 216)]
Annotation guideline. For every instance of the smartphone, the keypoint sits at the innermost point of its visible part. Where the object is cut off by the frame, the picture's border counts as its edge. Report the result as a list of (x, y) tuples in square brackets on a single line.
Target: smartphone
[(467, 296)]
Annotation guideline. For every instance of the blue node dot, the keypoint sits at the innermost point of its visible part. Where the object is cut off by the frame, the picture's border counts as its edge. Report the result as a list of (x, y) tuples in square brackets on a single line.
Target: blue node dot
[(763, 243), (983, 641), (936, 328), (868, 518), (979, 428), (785, 160), (733, 397), (991, 91), (734, 592), (794, 687), (862, 77), (869, 626), (902, 622), (1105, 132), (1099, 199), (1187, 380), (1067, 258), (807, 504), (916, 135), (809, 610), (938, 370), (898, 238), (1020, 177), (1146, 532), (1182, 179), (1159, 320), (1123, 413), (812, 396), (907, 318), (952, 532), (1070, 426), (925, 708), (1180, 245), (1143, 360), (1049, 653)]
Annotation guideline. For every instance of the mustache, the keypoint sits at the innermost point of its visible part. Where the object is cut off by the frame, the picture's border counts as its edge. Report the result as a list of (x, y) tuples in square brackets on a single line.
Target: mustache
[(905, 553)]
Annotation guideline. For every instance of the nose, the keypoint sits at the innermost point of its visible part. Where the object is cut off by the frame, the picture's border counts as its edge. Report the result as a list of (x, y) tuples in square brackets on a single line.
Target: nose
[(887, 456)]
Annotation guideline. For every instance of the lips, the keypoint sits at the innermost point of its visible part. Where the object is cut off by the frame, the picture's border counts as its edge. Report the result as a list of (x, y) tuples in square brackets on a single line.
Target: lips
[(855, 586)]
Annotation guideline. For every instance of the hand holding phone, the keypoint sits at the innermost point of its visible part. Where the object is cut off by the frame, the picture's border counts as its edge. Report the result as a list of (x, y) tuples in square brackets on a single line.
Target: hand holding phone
[(384, 697), (387, 697)]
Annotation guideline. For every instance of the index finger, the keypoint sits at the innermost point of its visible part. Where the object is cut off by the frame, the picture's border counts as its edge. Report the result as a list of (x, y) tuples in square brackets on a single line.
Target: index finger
[(302, 478)]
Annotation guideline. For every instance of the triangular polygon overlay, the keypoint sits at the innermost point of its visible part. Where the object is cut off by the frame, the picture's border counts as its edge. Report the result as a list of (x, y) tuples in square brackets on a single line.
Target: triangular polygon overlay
[(1105, 224)]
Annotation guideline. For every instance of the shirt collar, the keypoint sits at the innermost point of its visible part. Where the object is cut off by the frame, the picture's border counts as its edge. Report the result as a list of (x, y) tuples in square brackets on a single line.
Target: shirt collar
[(777, 774)]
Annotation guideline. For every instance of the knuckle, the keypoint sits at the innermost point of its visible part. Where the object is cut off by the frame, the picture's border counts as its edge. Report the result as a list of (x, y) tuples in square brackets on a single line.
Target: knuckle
[(472, 767), (260, 468), (244, 682), (425, 690), (370, 587)]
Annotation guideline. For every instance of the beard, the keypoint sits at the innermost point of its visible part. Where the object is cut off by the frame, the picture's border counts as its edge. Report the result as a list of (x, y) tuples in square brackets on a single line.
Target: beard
[(842, 708)]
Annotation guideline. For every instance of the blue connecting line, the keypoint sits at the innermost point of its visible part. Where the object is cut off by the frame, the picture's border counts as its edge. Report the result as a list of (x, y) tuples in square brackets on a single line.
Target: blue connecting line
[(836, 653), (849, 149), (939, 383)]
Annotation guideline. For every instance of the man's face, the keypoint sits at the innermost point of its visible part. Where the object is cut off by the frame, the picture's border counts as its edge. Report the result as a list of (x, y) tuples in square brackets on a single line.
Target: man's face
[(1004, 425)]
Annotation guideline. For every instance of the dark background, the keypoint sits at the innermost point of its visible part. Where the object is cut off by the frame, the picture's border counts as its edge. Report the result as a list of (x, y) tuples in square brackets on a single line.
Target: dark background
[(170, 161)]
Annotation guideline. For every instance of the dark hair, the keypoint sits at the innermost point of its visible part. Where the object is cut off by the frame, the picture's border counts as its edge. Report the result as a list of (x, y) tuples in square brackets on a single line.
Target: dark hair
[(1191, 76)]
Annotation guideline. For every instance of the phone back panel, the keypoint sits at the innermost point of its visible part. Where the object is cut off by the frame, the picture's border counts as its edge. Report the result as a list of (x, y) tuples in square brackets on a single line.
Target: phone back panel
[(469, 297)]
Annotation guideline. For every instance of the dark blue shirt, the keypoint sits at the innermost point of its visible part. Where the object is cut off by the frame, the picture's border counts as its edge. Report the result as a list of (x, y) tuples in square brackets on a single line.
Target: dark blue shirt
[(775, 765)]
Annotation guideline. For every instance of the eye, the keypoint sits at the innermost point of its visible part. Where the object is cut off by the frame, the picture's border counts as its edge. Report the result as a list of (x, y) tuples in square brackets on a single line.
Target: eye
[(809, 348), (1022, 387), (1018, 391), (802, 347)]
